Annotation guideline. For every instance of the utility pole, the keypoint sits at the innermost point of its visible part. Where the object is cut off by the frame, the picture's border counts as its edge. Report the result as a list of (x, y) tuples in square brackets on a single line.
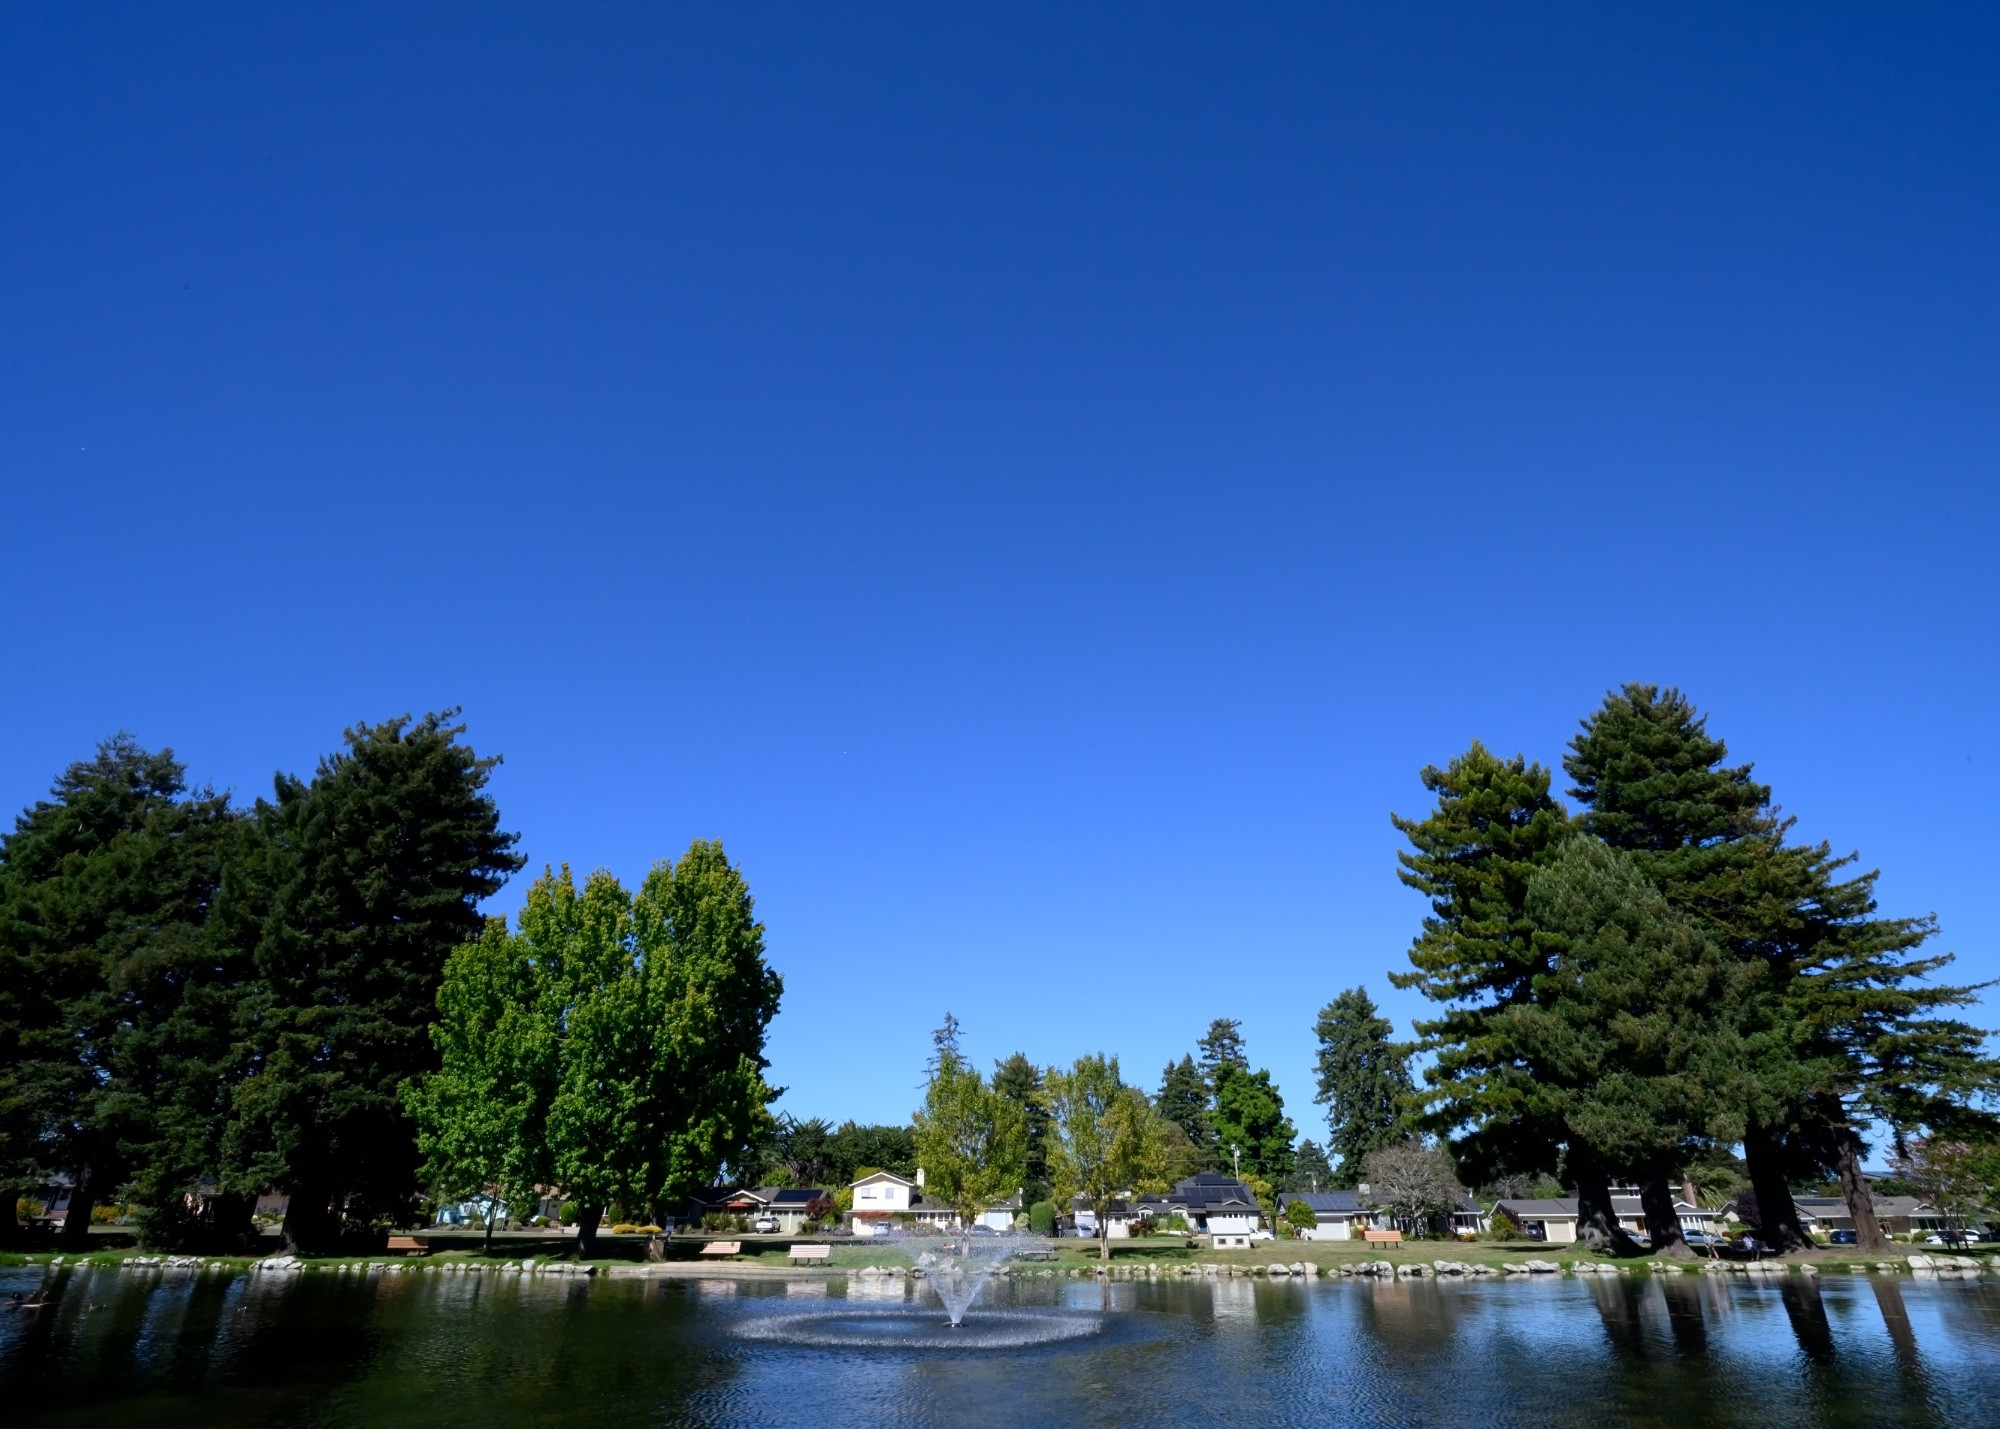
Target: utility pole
[(1236, 1159)]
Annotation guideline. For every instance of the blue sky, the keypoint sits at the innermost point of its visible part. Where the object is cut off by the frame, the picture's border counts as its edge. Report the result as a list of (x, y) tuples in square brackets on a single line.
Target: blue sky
[(1037, 481)]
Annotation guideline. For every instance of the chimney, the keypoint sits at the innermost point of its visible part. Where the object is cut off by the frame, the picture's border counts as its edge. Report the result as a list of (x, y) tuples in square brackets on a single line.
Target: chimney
[(1362, 1188), (920, 1178)]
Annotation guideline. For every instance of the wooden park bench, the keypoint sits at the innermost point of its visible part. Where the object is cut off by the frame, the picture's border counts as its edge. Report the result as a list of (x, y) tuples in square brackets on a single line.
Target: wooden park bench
[(812, 1252), (723, 1247), (1386, 1237), (409, 1245)]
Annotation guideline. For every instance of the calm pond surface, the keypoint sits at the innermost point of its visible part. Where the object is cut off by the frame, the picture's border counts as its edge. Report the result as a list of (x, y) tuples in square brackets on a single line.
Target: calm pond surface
[(180, 1348)]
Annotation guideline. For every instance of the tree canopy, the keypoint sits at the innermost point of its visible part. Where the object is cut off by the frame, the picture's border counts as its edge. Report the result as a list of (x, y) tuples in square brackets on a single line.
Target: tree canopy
[(631, 1068), (1107, 1141), (358, 887), (115, 1002), (972, 1138), (1364, 1080)]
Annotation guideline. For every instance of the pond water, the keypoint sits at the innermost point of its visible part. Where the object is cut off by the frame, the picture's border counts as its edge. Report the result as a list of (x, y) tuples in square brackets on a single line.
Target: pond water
[(180, 1348)]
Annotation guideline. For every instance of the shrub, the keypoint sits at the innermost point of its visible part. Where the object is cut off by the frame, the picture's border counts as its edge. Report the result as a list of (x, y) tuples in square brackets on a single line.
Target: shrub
[(1503, 1227), (1299, 1216), (569, 1211), (623, 1228), (1042, 1218), (715, 1221)]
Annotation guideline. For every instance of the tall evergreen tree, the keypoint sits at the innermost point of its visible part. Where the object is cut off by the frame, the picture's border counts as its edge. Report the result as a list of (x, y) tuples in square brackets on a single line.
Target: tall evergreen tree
[(1631, 1036), (1022, 1083), (360, 884), (105, 967), (1473, 856), (1221, 1046), (1311, 1171), (1364, 1080), (1845, 1027), (1183, 1100), (1250, 1115)]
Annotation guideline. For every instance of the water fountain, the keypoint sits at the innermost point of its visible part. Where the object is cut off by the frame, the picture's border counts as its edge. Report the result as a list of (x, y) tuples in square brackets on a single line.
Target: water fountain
[(955, 1266)]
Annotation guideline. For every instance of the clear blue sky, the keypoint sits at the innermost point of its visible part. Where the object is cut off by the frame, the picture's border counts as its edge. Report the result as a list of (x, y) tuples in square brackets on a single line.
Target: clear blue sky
[(1038, 482)]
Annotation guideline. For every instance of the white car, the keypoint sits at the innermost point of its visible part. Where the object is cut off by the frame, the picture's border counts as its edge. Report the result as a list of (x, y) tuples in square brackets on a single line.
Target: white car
[(765, 1225)]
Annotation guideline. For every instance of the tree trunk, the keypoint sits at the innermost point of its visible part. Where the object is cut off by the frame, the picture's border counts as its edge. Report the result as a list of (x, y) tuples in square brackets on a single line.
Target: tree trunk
[(82, 1200), (311, 1225), (12, 1235), (587, 1218), (1663, 1223), (1596, 1220), (1780, 1226), (229, 1224), (1868, 1237), (1103, 1236), (492, 1209)]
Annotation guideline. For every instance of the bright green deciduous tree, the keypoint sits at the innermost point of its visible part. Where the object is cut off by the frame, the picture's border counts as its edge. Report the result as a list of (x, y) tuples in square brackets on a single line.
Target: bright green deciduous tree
[(972, 1140), (1108, 1141), (1364, 1080), (482, 1116), (657, 1007)]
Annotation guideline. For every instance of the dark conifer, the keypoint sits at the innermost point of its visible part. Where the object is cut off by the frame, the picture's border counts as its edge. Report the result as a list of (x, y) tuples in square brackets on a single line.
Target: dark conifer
[(106, 976), (1473, 856), (357, 888), (1183, 1100), (1843, 1029), (1364, 1080)]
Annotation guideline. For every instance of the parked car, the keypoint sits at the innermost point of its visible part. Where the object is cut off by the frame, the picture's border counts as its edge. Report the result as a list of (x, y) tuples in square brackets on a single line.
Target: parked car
[(1840, 1238), (765, 1225), (1700, 1240)]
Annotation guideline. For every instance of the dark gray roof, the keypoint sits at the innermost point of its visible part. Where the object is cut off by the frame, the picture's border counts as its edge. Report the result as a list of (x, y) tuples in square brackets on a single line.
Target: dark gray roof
[(1199, 1192), (1325, 1202), (797, 1196)]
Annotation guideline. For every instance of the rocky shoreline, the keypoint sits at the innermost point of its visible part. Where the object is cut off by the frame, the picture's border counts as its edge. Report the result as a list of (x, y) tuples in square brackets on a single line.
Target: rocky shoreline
[(1920, 1266)]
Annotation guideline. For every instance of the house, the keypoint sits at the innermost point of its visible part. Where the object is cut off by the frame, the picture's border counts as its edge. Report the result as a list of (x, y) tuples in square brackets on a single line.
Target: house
[(1554, 1220), (1337, 1215), (793, 1208), (884, 1199), (1232, 1221), (1898, 1215), (1000, 1215), (1202, 1197), (1120, 1217)]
